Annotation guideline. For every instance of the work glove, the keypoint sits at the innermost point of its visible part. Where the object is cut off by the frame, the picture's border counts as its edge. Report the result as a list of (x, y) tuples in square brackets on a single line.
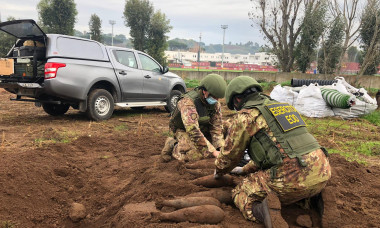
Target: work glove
[(237, 170), (217, 175)]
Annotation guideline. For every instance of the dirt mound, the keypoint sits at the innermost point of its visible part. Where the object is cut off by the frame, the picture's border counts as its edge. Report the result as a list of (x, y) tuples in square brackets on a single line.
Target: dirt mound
[(113, 169), (118, 181)]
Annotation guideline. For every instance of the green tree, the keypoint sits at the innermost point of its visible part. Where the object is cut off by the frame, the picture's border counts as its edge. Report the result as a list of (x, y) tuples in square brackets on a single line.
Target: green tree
[(313, 25), (279, 21), (157, 39), (353, 54), (175, 45), (370, 38), (57, 16), (95, 25), (137, 16), (6, 41), (332, 48), (121, 37), (350, 12)]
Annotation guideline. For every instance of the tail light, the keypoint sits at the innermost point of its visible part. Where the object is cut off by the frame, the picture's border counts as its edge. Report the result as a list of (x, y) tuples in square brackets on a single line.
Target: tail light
[(51, 69)]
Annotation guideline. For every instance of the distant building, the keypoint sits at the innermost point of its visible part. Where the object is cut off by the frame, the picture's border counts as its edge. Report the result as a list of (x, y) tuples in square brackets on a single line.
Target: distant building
[(261, 58)]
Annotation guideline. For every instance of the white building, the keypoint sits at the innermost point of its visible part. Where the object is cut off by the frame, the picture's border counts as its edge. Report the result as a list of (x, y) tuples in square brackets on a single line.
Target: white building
[(260, 58)]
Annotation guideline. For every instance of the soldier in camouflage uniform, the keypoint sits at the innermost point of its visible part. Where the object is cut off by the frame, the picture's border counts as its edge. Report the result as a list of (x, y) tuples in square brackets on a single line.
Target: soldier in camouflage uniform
[(196, 122), (287, 164)]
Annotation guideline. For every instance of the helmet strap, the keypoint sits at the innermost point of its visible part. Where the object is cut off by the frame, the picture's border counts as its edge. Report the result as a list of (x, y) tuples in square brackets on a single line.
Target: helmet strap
[(243, 101)]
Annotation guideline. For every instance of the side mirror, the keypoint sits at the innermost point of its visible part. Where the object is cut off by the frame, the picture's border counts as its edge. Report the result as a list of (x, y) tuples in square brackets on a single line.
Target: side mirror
[(165, 69)]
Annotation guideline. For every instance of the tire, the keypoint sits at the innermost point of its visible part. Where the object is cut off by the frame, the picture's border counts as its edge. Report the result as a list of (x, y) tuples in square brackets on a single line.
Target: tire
[(55, 109), (172, 101), (100, 105)]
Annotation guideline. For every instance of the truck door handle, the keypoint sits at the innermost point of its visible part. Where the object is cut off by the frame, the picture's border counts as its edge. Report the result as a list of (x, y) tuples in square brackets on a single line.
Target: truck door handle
[(123, 73), (147, 76)]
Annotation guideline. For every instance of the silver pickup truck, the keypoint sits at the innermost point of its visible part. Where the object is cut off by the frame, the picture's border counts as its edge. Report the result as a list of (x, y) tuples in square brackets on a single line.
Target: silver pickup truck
[(58, 72)]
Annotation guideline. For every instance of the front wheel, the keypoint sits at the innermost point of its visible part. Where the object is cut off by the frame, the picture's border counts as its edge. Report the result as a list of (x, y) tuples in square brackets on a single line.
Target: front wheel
[(55, 109), (172, 101), (100, 105)]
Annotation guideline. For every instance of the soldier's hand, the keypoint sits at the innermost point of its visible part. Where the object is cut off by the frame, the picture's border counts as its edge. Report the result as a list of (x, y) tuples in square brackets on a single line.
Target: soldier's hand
[(216, 153), (237, 170), (217, 175)]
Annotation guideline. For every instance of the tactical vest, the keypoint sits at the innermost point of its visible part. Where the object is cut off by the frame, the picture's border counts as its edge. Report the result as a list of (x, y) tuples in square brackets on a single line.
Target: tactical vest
[(205, 112), (288, 128)]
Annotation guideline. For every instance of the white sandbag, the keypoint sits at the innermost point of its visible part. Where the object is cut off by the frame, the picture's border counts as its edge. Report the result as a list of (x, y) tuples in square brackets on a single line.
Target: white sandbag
[(359, 109), (357, 92), (284, 94), (338, 86), (310, 103), (367, 98), (349, 87)]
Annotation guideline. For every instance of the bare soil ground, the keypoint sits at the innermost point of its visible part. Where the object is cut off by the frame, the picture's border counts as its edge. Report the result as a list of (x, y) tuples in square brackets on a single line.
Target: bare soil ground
[(113, 169)]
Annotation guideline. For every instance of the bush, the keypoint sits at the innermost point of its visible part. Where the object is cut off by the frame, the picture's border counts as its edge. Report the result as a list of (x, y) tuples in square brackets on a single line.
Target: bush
[(192, 83)]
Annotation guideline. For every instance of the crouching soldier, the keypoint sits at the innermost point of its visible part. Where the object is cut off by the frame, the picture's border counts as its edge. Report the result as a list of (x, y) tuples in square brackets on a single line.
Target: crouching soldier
[(287, 163), (196, 122)]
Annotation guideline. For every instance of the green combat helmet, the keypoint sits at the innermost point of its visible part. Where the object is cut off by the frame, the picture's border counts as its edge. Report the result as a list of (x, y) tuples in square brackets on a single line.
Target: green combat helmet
[(237, 86), (214, 84)]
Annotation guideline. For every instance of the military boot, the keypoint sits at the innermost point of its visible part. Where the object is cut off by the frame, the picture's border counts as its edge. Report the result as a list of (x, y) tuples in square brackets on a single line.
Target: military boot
[(166, 153), (269, 212)]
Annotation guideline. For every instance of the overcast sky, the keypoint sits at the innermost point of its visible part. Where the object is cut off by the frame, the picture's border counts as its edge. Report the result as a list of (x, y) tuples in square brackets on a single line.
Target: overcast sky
[(188, 18)]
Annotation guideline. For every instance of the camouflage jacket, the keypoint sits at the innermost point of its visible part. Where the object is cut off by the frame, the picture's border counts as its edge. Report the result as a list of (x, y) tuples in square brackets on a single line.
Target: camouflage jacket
[(244, 125), (190, 117)]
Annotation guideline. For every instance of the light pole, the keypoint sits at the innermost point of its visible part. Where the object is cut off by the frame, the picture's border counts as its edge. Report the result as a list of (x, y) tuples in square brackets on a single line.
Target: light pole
[(224, 27), (112, 22)]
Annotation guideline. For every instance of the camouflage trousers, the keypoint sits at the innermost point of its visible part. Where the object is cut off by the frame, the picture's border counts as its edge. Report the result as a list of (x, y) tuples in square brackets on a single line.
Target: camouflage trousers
[(290, 183)]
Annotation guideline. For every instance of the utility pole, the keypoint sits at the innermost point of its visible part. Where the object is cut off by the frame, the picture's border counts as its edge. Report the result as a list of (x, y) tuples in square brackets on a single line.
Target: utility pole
[(224, 27), (199, 50), (112, 22)]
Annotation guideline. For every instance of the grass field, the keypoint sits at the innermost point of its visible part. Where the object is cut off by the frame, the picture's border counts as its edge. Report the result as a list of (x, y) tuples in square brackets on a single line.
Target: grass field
[(356, 139)]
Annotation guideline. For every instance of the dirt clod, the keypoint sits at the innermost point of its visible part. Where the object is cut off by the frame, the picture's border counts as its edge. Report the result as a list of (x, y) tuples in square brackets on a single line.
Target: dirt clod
[(77, 212), (304, 221)]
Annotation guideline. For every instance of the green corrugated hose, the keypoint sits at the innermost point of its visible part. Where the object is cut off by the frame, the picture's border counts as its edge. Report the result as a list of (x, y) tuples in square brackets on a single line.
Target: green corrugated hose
[(337, 99)]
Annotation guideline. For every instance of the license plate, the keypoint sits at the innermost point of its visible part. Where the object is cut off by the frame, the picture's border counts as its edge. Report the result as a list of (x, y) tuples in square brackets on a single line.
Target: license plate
[(29, 85)]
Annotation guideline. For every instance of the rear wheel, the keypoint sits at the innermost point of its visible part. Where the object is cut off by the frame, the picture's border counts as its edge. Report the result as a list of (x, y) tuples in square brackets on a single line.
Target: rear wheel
[(100, 105), (55, 109), (172, 101)]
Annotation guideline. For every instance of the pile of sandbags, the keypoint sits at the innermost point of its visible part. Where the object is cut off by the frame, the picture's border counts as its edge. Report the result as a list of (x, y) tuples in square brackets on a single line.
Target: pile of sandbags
[(339, 99)]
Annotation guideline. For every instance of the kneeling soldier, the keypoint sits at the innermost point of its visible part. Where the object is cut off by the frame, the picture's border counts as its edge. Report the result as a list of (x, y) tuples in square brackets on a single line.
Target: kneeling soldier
[(197, 122), (287, 163)]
